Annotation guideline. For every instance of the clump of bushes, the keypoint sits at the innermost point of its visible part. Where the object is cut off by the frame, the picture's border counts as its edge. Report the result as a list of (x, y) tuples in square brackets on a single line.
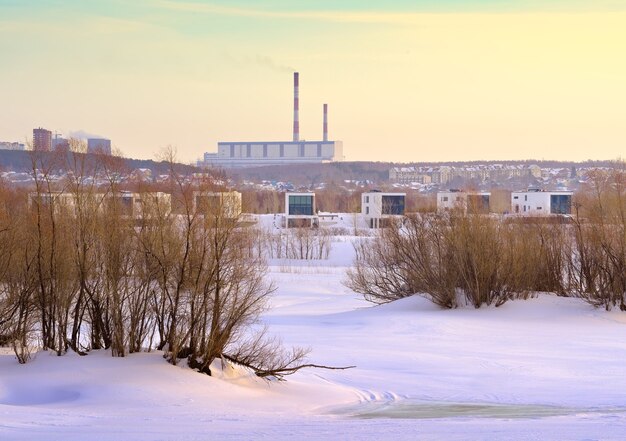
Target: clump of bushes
[(464, 257)]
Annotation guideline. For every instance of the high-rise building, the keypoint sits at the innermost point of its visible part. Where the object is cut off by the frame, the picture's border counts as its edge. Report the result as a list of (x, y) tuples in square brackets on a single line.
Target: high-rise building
[(42, 140), (99, 145)]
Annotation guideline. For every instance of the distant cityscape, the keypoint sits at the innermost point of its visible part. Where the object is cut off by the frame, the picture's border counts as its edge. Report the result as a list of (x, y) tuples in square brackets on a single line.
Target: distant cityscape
[(45, 141)]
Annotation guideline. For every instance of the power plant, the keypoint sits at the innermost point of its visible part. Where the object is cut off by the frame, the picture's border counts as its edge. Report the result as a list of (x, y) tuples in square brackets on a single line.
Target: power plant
[(257, 153)]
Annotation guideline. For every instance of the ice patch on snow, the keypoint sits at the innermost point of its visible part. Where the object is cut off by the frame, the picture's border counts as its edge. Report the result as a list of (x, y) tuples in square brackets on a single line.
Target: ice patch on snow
[(410, 409)]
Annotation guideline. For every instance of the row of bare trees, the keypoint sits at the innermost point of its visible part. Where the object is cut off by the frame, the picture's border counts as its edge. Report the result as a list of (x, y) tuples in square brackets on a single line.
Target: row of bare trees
[(81, 269), (458, 257), (294, 243)]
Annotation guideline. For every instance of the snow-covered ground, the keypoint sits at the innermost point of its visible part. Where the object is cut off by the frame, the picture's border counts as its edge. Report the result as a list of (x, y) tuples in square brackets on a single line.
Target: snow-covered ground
[(547, 368)]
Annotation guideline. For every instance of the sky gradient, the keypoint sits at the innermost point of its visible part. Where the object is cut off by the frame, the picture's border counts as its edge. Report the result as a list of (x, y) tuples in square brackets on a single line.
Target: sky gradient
[(412, 81)]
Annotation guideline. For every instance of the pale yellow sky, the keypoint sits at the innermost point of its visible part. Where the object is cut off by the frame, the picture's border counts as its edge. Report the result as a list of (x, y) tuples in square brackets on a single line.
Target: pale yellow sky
[(401, 86)]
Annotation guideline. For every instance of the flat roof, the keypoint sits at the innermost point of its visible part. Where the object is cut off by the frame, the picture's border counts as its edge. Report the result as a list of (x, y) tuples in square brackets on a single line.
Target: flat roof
[(276, 142)]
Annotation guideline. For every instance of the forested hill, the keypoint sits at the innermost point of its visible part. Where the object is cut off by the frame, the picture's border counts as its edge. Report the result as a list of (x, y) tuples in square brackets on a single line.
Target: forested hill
[(22, 161), (313, 174), (298, 174)]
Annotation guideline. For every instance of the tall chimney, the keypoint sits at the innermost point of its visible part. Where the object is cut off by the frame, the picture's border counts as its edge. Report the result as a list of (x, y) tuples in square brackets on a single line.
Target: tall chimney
[(325, 122), (296, 121)]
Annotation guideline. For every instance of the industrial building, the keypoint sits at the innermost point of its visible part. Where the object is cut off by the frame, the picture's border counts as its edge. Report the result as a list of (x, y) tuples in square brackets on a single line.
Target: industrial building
[(297, 151)]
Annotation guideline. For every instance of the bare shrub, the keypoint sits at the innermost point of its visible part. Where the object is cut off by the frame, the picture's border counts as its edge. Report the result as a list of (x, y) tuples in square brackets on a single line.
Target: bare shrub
[(597, 259), (86, 266), (440, 255)]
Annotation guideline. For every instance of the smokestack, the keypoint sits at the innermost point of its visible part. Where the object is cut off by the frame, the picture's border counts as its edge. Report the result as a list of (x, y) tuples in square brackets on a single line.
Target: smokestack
[(325, 122), (296, 121)]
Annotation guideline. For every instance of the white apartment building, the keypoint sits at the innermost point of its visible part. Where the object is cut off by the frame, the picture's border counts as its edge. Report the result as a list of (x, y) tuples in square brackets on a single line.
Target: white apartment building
[(132, 205), (300, 210), (226, 203), (378, 208), (477, 201), (535, 202)]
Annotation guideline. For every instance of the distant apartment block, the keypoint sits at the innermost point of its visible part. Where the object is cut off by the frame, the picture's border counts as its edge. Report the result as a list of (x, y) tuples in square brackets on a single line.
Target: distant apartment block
[(422, 175), (99, 145), (6, 145), (42, 140), (445, 174)]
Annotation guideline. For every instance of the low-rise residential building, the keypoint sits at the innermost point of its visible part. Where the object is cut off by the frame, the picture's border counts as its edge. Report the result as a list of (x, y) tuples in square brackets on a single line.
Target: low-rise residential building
[(473, 201), (226, 204), (378, 208), (300, 210), (535, 202), (128, 204)]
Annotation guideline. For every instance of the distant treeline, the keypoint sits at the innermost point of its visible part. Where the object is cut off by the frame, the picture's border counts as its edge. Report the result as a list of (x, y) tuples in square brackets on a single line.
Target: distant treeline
[(22, 162)]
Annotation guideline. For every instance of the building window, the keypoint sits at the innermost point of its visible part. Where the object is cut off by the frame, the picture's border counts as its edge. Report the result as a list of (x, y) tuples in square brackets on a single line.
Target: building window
[(393, 205), (538, 208), (561, 204), (367, 210), (444, 199), (232, 151), (515, 197), (265, 150), (367, 199), (319, 150), (301, 205), (525, 197)]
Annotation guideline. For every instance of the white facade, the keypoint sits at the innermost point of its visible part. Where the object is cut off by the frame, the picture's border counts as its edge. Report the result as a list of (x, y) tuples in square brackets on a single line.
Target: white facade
[(132, 205), (541, 203), (461, 200), (378, 207), (227, 202), (300, 210)]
